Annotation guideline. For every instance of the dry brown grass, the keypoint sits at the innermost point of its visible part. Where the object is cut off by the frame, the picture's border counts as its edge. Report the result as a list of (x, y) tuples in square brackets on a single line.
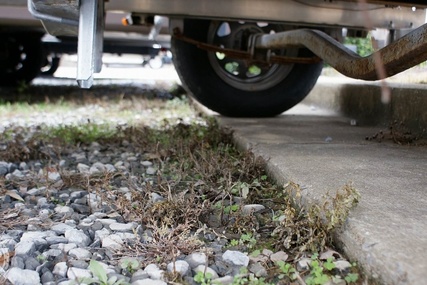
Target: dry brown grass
[(205, 182)]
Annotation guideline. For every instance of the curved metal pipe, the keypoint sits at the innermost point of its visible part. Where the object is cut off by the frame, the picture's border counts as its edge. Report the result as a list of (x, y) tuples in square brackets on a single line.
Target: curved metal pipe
[(50, 18), (398, 56)]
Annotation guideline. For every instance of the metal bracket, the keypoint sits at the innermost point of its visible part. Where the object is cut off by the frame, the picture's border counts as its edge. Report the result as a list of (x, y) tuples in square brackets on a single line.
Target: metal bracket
[(245, 55), (45, 17), (90, 44), (259, 55), (159, 22), (398, 56)]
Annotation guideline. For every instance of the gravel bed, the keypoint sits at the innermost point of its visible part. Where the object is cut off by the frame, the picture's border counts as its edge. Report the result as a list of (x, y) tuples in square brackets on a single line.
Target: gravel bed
[(51, 233)]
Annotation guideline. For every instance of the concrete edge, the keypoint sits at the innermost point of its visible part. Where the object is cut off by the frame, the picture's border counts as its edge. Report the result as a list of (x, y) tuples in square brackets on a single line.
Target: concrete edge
[(347, 238), (361, 101)]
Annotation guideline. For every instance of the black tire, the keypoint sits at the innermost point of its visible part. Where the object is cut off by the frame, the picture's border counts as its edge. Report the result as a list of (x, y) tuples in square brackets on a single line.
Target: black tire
[(207, 85), (51, 65), (21, 57)]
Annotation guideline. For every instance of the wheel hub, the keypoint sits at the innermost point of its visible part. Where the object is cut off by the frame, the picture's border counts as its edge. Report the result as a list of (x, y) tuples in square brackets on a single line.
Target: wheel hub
[(244, 74)]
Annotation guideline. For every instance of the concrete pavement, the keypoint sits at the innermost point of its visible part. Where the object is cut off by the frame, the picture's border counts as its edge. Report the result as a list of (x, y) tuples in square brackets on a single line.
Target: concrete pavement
[(387, 232)]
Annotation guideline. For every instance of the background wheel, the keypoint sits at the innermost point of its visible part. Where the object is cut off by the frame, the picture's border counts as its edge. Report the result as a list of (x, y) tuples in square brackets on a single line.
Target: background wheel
[(232, 87), (21, 57), (155, 62), (51, 65)]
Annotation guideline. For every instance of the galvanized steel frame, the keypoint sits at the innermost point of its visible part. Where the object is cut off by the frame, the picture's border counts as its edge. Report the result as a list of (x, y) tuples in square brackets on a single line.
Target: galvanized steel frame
[(308, 12)]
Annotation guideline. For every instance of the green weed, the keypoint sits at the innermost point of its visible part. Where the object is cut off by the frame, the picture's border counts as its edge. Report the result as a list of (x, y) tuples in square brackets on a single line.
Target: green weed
[(101, 276), (203, 278), (86, 133)]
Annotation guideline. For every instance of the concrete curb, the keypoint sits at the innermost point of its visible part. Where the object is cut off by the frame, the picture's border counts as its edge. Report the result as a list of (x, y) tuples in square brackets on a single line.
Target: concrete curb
[(361, 100), (386, 232)]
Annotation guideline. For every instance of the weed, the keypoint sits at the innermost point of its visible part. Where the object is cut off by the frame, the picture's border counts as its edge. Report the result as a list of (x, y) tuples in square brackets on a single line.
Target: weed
[(204, 182), (85, 133), (41, 258), (100, 276), (351, 278), (129, 265), (244, 278), (286, 270), (246, 240), (329, 264), (231, 209), (203, 278), (316, 276), (311, 229)]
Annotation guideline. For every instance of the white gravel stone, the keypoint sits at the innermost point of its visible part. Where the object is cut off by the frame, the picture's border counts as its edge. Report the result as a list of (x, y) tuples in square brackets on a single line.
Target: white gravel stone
[(64, 210), (342, 265), (53, 176), (101, 234), (60, 269), (44, 213), (107, 222), (126, 236), (113, 241), (97, 167), (79, 157), (252, 208), (7, 242), (66, 247), (56, 240), (20, 206), (180, 266), (267, 252), (77, 194), (151, 171), (53, 252), (156, 197), (120, 227), (78, 237), (25, 247), (128, 196), (146, 163), (203, 268), (18, 174), (118, 164), (94, 201), (196, 258), (23, 166), (226, 280), (80, 253), (83, 168), (258, 270), (4, 168), (139, 275), (97, 215), (279, 256), (42, 201), (37, 236), (154, 271), (236, 257), (149, 281), (303, 264), (18, 276), (61, 228), (36, 191), (75, 273), (110, 168)]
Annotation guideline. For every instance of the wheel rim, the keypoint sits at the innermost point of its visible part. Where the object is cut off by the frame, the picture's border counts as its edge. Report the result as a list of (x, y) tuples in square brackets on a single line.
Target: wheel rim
[(239, 73), (16, 55)]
